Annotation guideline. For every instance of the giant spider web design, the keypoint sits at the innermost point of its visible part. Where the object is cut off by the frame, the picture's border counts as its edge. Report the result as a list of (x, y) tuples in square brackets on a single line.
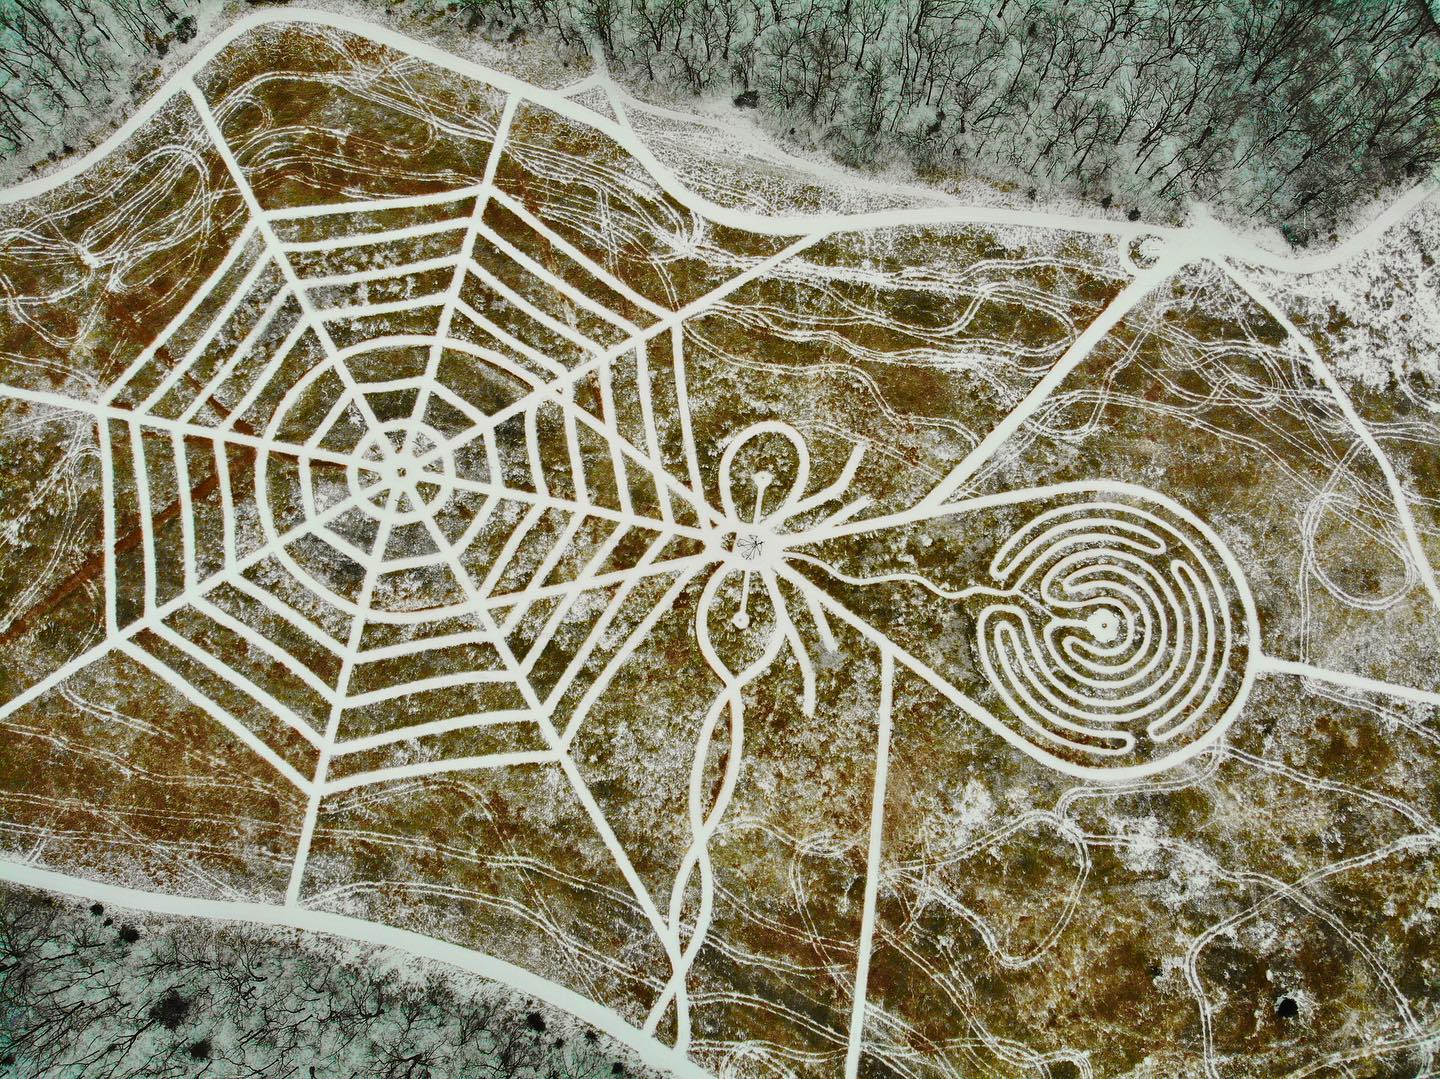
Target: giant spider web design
[(375, 554), (492, 532)]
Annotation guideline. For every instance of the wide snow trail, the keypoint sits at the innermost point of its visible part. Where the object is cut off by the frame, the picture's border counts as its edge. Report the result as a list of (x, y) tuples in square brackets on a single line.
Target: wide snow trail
[(1200, 592)]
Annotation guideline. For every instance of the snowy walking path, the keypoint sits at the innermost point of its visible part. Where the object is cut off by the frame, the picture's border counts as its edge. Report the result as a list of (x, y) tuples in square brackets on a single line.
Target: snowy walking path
[(1182, 633)]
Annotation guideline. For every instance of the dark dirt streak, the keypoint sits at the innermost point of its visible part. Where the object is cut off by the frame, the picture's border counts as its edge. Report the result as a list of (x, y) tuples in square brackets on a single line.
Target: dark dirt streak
[(94, 565)]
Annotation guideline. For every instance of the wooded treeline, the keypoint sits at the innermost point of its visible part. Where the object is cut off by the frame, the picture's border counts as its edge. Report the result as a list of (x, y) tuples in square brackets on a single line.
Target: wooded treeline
[(87, 991), (1287, 110), (59, 58)]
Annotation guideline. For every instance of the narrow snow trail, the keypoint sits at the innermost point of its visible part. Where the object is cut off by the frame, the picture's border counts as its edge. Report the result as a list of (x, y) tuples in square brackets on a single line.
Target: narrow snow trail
[(1326, 377), (1079, 350), (718, 530)]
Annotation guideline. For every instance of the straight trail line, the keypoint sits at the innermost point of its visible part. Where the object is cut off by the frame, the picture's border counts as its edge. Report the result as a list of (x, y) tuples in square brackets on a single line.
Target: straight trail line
[(872, 865), (1079, 350), (1346, 680), (556, 386)]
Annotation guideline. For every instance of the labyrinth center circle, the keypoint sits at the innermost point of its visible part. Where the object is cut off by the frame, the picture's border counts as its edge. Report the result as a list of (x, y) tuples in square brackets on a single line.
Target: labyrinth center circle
[(1103, 626)]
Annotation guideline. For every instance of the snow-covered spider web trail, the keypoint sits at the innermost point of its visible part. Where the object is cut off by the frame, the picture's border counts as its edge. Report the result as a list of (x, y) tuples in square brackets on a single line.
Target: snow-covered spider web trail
[(488, 536), (430, 464), (370, 506), (337, 552), (518, 541)]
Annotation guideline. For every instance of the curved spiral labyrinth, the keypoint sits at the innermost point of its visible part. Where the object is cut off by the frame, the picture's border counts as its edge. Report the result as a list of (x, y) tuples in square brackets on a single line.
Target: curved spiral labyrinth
[(1118, 633)]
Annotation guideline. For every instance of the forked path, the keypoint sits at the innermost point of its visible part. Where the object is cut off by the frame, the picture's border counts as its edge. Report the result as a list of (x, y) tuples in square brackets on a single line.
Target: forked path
[(1165, 606)]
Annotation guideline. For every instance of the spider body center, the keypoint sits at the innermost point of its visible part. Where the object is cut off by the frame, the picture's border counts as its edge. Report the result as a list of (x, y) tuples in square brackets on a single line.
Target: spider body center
[(754, 547)]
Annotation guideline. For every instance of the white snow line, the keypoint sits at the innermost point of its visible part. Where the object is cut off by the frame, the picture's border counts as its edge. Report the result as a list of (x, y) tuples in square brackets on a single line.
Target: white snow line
[(332, 724), (628, 648), (530, 310), (1075, 355), (187, 520), (981, 714), (239, 295), (682, 397), (381, 273), (226, 673), (558, 549), (561, 390), (369, 310), (477, 608), (653, 469), (237, 356), (773, 154), (407, 648), (117, 637), (360, 206), (289, 614), (652, 429), (510, 547), (1268, 664), (1331, 383), (1353, 245), (438, 767), (562, 286), (55, 677), (267, 373), (578, 475), (348, 663), (107, 524), (179, 427), (520, 210), (241, 732), (562, 610), (140, 469), (433, 727), (872, 865), (449, 680), (258, 641), (202, 294), (579, 86), (457, 278), (643, 569), (220, 454), (609, 417), (502, 335), (554, 391), (583, 583), (370, 239), (651, 1052)]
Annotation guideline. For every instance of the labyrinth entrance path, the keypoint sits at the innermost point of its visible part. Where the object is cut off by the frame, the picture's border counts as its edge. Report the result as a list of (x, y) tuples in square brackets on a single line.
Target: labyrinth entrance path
[(918, 639)]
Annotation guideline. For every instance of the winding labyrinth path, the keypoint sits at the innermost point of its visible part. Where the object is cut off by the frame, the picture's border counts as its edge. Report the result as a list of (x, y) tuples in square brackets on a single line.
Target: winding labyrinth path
[(406, 480)]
